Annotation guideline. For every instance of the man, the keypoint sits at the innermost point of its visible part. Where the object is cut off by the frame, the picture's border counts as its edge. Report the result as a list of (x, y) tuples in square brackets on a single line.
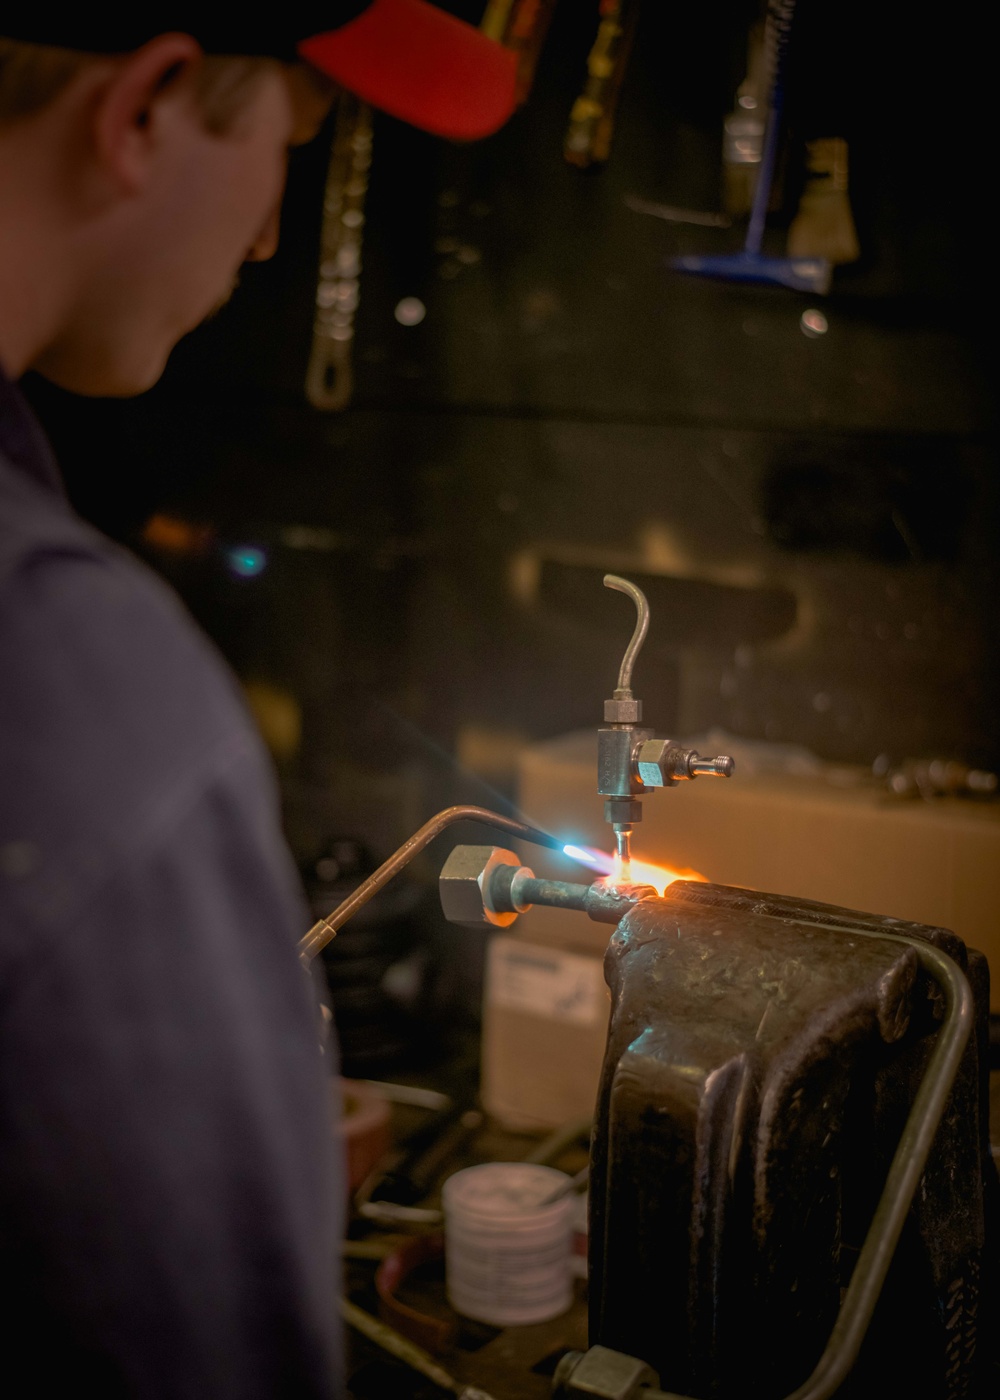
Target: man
[(170, 1201)]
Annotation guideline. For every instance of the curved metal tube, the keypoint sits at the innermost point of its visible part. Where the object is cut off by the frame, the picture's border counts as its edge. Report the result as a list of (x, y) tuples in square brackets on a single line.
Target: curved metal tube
[(907, 1167), (325, 929), (622, 585)]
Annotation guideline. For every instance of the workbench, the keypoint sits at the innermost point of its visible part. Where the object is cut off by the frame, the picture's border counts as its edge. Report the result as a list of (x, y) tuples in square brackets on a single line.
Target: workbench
[(515, 1363)]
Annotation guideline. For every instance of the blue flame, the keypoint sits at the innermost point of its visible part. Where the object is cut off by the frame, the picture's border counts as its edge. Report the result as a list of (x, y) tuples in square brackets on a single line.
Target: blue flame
[(587, 855)]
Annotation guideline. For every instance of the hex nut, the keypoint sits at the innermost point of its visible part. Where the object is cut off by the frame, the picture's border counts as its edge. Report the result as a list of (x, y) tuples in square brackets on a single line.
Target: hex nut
[(603, 1374), (463, 881), (653, 763), (622, 711), (623, 810)]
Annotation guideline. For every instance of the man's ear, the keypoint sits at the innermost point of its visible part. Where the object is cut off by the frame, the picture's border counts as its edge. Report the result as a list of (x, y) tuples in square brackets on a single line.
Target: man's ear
[(123, 119)]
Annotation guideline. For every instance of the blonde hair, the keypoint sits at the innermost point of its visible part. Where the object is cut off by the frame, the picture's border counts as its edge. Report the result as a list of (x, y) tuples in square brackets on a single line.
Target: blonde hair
[(33, 75)]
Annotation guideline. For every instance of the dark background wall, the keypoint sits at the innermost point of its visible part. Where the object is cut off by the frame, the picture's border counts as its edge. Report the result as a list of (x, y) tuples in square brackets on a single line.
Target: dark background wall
[(816, 519)]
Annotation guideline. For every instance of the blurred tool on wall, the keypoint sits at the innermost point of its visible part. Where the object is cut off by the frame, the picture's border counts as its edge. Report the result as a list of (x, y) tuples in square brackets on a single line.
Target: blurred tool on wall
[(743, 130), (592, 119), (823, 226), (330, 376), (811, 274), (520, 25), (930, 778)]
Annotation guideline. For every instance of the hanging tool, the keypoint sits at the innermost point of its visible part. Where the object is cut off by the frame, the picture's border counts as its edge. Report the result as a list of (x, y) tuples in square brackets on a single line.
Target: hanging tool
[(330, 374), (743, 130), (824, 225), (751, 264), (520, 25), (592, 118)]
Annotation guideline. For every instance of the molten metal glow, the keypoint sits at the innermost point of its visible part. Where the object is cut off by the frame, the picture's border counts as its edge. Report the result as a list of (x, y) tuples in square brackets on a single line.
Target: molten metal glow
[(642, 872)]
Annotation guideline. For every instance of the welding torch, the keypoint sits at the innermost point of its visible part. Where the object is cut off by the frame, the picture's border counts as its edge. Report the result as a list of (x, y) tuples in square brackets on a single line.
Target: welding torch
[(487, 885)]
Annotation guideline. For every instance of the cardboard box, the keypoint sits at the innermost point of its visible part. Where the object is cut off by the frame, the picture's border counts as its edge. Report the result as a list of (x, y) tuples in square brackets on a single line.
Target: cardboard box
[(545, 1020), (830, 835)]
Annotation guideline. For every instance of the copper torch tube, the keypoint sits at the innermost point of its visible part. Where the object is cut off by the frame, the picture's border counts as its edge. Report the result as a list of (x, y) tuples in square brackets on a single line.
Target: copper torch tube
[(325, 929)]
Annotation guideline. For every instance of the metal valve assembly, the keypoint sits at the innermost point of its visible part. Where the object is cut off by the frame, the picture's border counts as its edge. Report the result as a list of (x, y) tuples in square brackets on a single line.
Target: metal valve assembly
[(630, 759), (489, 885)]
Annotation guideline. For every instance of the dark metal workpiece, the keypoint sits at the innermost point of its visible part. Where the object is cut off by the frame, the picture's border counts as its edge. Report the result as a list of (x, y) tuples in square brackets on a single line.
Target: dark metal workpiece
[(959, 1198), (744, 1125), (604, 903), (321, 932)]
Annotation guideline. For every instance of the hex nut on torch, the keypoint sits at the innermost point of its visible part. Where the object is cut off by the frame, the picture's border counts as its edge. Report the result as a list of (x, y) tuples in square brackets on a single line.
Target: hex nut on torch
[(654, 762), (464, 885), (624, 810), (622, 711)]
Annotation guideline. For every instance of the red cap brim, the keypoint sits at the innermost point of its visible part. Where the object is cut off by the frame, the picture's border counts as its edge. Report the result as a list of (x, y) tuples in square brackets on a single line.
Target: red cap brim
[(417, 63)]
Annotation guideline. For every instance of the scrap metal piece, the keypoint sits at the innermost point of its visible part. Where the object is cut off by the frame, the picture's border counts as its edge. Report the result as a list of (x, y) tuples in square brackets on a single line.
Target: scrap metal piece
[(434, 1334), (676, 215)]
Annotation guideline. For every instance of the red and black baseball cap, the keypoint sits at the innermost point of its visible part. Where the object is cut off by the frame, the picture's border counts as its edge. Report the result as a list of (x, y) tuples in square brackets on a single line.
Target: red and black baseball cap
[(407, 57)]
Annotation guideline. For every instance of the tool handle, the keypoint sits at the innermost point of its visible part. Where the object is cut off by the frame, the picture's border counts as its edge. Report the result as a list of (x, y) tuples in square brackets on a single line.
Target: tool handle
[(520, 25), (592, 118), (780, 14)]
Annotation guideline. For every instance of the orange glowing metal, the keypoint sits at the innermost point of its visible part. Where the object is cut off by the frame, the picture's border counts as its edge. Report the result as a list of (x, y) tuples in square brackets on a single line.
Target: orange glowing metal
[(640, 872), (660, 876)]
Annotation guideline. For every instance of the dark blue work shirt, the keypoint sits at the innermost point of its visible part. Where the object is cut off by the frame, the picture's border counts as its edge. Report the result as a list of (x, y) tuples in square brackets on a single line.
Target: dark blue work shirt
[(170, 1197)]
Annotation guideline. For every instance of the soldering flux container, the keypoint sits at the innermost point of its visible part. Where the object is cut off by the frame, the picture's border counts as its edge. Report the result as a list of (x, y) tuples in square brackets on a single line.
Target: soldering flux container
[(507, 1252)]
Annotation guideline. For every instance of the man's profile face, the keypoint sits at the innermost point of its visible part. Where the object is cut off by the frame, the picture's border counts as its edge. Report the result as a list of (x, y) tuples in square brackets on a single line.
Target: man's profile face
[(171, 245)]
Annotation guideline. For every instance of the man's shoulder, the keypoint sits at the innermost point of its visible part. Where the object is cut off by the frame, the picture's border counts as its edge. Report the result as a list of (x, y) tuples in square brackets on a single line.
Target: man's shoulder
[(105, 639), (115, 710), (36, 521)]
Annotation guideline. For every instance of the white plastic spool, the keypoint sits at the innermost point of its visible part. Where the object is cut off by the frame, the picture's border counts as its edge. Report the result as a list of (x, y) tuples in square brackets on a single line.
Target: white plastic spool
[(507, 1255)]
